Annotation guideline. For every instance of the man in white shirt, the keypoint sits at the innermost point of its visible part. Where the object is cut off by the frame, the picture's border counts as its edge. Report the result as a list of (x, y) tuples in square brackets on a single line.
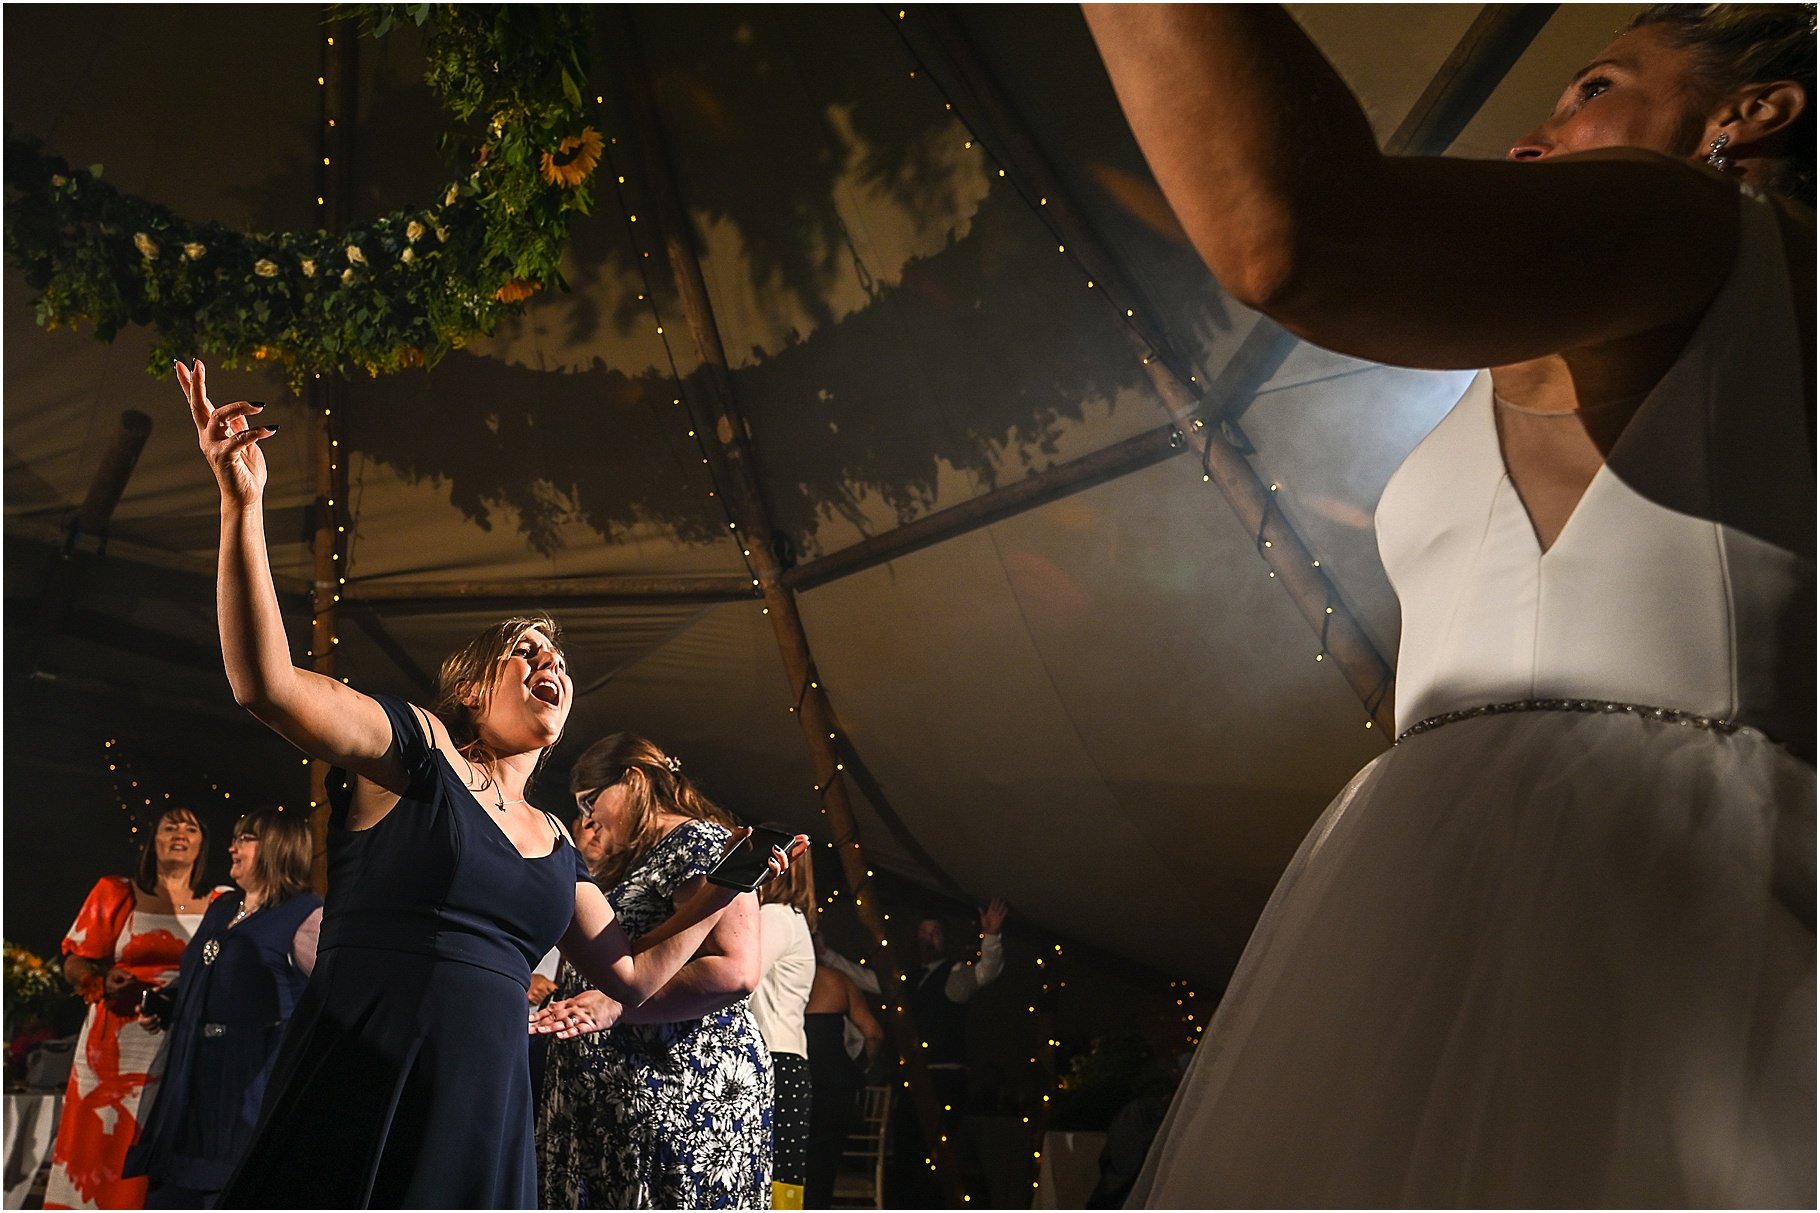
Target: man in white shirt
[(940, 990)]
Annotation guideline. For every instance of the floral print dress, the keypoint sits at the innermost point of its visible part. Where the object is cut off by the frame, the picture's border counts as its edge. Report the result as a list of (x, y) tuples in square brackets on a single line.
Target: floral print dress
[(672, 1115)]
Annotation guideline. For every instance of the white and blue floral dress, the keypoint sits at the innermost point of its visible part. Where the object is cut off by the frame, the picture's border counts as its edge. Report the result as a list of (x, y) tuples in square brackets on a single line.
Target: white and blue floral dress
[(671, 1115)]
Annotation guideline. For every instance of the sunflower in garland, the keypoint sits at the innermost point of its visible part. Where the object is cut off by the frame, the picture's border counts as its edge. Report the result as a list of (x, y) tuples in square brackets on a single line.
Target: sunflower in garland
[(573, 159)]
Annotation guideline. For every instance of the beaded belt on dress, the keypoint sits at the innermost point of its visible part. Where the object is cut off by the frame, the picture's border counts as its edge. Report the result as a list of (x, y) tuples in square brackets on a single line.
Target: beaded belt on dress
[(1600, 706)]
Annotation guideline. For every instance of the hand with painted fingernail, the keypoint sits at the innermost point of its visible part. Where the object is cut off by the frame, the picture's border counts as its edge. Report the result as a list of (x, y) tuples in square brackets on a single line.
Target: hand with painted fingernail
[(229, 437)]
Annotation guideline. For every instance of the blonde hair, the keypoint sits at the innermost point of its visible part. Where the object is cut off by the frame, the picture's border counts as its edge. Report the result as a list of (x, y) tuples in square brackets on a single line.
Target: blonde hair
[(282, 865), (1733, 45), (474, 667), (655, 785)]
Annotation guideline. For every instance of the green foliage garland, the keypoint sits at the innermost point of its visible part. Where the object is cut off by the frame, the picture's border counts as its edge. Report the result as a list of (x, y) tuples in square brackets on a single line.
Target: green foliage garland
[(401, 290)]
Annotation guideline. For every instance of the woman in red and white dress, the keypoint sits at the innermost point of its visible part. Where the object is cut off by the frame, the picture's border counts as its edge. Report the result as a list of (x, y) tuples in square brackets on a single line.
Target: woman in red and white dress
[(127, 939)]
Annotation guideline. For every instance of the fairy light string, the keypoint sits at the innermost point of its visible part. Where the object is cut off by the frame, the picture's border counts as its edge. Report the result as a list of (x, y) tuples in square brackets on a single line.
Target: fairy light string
[(326, 399), (693, 426), (142, 804), (745, 511), (1109, 284)]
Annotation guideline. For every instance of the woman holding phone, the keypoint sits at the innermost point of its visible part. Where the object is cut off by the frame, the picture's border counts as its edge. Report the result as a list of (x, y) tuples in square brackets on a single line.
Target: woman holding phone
[(1556, 947), (672, 1108), (404, 1080)]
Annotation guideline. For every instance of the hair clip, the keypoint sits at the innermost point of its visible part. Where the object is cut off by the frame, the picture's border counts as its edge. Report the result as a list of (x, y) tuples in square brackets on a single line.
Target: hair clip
[(674, 763)]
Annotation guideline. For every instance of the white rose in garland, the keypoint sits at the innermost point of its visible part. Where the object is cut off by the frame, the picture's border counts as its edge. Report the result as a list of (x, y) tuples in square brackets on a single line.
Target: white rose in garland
[(511, 78)]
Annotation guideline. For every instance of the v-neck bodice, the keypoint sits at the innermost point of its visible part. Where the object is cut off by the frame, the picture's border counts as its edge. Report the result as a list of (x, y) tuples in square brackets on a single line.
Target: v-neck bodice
[(1684, 576)]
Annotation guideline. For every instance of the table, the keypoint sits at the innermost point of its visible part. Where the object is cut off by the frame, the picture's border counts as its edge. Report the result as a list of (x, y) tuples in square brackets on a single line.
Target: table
[(1070, 1170), (31, 1127)]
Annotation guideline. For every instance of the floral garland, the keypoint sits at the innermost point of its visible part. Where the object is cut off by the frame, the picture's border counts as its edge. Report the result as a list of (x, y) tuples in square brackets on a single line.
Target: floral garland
[(399, 291)]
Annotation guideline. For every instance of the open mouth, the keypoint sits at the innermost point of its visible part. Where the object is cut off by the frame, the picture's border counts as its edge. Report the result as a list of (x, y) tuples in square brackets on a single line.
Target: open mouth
[(547, 690)]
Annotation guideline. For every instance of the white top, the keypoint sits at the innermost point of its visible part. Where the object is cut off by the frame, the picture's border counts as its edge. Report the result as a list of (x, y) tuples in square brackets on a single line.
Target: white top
[(968, 978), (1685, 576), (786, 971)]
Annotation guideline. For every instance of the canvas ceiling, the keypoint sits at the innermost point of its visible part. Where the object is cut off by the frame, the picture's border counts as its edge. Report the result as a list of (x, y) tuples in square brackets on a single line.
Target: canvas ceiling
[(1101, 709)]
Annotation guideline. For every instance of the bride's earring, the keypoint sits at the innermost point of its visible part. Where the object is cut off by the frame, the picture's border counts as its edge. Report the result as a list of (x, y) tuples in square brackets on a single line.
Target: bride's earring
[(1714, 150)]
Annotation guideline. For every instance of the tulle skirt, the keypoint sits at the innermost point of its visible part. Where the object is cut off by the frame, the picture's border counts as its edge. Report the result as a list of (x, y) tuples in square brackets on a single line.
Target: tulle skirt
[(1543, 959)]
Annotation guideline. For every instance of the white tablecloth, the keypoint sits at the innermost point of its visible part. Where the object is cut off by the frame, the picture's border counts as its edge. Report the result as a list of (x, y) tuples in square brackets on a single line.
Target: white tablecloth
[(1070, 1170), (31, 1126)]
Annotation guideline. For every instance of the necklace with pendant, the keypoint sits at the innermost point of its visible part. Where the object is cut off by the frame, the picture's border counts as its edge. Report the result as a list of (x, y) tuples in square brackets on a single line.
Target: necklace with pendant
[(487, 781), (212, 948)]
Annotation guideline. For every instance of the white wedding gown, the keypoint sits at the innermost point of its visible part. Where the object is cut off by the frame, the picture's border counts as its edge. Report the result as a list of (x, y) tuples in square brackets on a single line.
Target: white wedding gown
[(1559, 956)]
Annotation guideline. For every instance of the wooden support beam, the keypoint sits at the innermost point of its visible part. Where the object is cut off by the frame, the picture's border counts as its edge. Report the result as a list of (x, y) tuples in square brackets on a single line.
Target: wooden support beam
[(598, 591), (111, 475), (1108, 463), (731, 459), (1290, 561), (1490, 47), (199, 570), (64, 574)]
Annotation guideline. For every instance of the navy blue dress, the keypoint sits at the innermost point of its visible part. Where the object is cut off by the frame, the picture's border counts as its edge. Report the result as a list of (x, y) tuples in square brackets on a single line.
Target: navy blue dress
[(404, 1080), (233, 1000)]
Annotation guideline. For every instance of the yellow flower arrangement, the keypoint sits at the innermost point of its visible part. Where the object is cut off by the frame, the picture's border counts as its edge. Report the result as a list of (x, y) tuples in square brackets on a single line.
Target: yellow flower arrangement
[(573, 159), (32, 983)]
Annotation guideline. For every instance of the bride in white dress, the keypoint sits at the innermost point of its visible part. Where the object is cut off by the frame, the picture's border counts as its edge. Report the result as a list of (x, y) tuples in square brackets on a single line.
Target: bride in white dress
[(1556, 947)]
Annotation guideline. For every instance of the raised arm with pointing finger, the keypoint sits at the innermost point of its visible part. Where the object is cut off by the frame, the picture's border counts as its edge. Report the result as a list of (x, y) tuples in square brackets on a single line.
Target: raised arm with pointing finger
[(399, 1083)]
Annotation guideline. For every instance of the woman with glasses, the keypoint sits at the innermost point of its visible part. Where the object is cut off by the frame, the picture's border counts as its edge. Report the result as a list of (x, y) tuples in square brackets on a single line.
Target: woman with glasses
[(672, 1108), (240, 977)]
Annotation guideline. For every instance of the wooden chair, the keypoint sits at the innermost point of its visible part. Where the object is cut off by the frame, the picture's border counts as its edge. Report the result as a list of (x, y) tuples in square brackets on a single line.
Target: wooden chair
[(861, 1181)]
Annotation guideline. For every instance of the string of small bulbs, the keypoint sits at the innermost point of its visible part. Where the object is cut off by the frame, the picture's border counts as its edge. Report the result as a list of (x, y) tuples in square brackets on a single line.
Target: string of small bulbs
[(648, 296), (329, 574), (139, 802), (1127, 314)]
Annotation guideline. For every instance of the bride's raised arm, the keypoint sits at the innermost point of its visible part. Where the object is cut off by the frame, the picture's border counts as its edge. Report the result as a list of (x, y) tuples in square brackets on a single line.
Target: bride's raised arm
[(1276, 176)]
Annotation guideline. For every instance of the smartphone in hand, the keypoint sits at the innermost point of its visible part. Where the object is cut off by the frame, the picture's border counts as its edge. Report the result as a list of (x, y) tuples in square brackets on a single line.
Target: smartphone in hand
[(745, 866)]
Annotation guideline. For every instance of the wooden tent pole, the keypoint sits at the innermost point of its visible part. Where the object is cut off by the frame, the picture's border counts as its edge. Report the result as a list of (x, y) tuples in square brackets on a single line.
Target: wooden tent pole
[(731, 455), (1290, 561), (325, 398), (1485, 53)]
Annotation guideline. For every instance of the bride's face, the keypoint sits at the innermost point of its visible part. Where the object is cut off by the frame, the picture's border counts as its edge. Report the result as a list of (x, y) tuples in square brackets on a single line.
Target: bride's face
[(1638, 92)]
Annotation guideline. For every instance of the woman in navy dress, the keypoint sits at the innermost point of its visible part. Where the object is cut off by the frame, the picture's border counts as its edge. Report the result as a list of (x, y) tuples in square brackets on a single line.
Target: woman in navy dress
[(239, 981), (404, 1080)]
